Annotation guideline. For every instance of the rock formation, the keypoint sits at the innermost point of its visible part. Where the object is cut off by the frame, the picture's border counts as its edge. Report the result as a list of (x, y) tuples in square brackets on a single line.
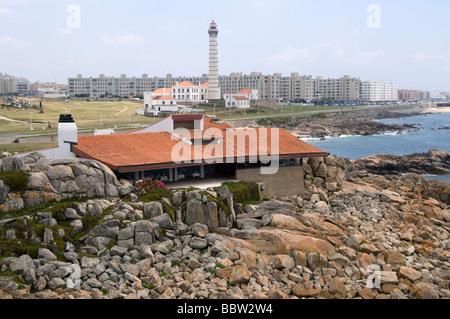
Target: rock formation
[(367, 237), (55, 180), (432, 162), (17, 102)]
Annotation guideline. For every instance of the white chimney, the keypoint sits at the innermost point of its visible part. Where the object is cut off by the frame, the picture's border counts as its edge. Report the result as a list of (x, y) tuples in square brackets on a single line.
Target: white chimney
[(67, 135)]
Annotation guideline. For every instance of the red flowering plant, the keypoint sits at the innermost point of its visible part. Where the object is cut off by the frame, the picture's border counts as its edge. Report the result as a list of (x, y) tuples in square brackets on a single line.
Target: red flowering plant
[(152, 189)]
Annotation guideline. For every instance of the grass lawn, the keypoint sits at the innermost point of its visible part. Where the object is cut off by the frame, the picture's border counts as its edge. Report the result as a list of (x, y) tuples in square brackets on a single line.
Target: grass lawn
[(282, 110), (109, 114), (85, 114), (25, 147)]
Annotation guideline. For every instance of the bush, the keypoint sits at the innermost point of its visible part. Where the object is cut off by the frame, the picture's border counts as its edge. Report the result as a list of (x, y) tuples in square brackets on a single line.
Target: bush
[(153, 189), (16, 181), (243, 192)]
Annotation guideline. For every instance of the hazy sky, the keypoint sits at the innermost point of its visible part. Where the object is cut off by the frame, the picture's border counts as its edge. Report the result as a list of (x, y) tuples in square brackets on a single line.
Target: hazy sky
[(404, 41)]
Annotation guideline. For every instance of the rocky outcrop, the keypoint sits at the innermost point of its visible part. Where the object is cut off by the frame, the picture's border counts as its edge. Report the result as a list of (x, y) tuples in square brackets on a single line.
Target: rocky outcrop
[(17, 102), (210, 209), (323, 177), (357, 122), (291, 248), (432, 162), (58, 179)]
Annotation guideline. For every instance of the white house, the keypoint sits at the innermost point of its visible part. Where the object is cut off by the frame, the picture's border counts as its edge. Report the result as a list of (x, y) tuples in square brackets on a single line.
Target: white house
[(241, 100), (250, 94), (160, 100), (188, 93)]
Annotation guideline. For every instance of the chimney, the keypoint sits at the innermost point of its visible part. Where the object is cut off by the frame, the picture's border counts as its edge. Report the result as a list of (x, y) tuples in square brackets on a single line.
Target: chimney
[(67, 135)]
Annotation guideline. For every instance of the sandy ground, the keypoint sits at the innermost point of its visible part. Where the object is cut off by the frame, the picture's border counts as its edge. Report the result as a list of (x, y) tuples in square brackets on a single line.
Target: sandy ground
[(10, 120), (125, 108), (436, 110)]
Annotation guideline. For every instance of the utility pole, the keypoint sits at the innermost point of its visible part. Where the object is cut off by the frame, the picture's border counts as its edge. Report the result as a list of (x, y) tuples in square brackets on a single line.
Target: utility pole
[(31, 123)]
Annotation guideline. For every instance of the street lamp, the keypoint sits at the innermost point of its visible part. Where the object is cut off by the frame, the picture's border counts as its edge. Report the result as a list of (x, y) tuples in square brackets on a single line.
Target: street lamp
[(31, 123)]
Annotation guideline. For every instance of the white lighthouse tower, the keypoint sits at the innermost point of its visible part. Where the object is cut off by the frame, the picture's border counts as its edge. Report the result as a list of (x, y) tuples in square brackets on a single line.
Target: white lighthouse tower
[(213, 78)]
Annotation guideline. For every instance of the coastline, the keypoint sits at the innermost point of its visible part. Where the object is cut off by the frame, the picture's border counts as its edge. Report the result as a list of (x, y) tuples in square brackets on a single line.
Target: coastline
[(361, 122), (437, 110)]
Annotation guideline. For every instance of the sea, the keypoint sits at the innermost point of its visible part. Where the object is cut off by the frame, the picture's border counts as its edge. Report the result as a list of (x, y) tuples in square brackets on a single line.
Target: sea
[(431, 135)]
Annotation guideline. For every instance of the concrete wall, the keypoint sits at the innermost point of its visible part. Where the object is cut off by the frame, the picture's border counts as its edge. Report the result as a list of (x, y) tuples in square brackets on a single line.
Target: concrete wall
[(287, 182), (165, 125)]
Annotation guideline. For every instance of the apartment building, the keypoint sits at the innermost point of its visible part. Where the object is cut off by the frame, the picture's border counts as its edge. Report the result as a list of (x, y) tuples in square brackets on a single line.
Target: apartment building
[(413, 95), (8, 84), (378, 91), (297, 87), (236, 82), (341, 89), (277, 87), (124, 86)]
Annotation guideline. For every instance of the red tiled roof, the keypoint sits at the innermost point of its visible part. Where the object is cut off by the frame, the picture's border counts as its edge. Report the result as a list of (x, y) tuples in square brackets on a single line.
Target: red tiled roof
[(186, 117), (135, 151), (164, 97), (185, 84), (245, 91), (205, 85), (241, 98), (163, 91)]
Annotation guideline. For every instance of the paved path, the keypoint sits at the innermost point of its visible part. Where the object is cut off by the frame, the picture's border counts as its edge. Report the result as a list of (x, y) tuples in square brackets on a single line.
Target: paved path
[(7, 138), (11, 120), (200, 183)]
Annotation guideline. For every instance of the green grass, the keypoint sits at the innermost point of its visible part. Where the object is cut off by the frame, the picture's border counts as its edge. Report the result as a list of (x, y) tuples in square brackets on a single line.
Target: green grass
[(243, 193), (22, 245), (25, 147), (86, 115)]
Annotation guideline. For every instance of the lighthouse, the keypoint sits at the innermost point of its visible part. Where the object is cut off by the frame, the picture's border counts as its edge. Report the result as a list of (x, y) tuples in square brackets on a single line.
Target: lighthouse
[(213, 77)]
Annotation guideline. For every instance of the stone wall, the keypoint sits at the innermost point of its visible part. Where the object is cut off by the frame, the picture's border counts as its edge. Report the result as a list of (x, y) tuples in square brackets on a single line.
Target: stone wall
[(288, 181), (59, 179), (323, 177)]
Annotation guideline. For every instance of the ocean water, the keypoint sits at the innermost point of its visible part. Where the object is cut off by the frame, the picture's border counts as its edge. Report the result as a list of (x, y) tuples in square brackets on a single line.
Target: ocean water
[(421, 141)]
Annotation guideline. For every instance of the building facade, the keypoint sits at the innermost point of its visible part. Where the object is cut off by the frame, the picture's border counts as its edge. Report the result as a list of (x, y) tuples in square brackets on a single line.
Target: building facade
[(192, 147), (276, 87), (378, 91), (413, 95), (8, 84), (341, 89)]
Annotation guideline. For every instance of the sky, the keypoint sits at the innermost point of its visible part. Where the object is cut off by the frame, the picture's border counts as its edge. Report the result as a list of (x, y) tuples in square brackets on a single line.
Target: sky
[(405, 42)]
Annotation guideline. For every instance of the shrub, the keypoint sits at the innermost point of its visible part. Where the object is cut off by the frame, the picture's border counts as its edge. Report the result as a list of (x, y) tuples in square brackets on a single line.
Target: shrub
[(175, 262), (243, 192), (16, 181), (154, 190)]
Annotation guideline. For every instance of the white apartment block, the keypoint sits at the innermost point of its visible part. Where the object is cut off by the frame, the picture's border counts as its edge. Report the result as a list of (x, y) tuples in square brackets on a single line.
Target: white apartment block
[(11, 84), (8, 84), (378, 91), (269, 87)]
